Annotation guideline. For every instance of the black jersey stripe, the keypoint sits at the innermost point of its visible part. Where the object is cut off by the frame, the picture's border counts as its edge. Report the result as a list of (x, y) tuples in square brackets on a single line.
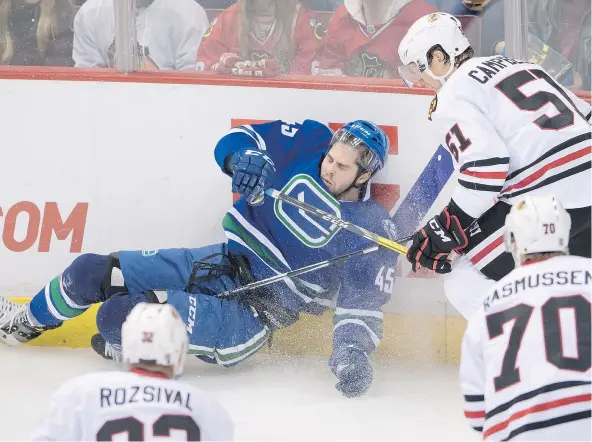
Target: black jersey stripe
[(529, 395), (566, 173), (549, 423), (485, 163), (477, 186), (571, 142)]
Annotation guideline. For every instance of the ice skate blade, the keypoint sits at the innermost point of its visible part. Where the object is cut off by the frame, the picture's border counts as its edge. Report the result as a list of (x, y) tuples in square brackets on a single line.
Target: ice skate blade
[(9, 340)]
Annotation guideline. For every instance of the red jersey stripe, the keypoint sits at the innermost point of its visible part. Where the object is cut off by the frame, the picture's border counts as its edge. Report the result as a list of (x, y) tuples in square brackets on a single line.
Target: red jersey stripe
[(483, 253), (474, 414), (535, 409), (488, 175), (553, 164)]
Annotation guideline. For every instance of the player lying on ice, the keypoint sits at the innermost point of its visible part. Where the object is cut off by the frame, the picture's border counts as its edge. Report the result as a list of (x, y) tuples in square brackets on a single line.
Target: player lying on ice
[(513, 131), (265, 238)]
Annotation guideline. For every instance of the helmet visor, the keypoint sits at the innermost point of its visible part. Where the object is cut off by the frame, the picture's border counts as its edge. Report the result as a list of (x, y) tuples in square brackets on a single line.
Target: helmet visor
[(410, 74), (367, 158)]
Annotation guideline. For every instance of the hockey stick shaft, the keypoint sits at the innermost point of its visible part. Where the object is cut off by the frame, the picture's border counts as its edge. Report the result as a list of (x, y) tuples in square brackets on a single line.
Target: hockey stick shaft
[(380, 240), (297, 272)]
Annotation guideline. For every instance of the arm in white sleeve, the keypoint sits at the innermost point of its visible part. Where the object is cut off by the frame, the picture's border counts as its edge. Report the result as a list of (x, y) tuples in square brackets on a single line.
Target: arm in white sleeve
[(472, 374), (220, 425), (481, 156), (60, 422), (85, 50), (189, 37)]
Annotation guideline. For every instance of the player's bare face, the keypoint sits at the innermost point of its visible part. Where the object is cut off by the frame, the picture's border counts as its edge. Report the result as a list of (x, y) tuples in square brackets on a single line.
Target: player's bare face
[(439, 68), (340, 168)]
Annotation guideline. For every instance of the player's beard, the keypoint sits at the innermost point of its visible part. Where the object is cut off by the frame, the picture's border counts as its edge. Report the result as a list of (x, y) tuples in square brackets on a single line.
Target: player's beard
[(338, 192)]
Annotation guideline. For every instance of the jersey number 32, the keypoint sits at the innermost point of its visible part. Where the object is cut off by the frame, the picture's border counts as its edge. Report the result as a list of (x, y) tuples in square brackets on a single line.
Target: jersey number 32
[(161, 428)]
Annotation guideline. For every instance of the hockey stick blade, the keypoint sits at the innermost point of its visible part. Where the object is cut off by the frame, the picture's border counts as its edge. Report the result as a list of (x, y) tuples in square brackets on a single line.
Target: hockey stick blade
[(297, 272), (360, 231)]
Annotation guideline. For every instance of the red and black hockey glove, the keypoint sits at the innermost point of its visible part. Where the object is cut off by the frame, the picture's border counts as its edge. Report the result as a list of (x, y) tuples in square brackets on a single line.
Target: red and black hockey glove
[(433, 243), (232, 64)]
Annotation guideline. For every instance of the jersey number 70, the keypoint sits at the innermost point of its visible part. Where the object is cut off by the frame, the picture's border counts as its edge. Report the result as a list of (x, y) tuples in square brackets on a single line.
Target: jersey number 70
[(552, 334)]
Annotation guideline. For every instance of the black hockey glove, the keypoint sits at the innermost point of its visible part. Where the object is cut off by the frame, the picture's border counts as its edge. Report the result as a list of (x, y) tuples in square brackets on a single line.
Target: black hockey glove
[(433, 243)]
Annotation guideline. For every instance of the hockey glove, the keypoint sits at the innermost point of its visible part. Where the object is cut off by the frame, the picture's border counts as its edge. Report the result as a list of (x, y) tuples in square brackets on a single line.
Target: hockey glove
[(252, 174), (433, 244), (353, 369), (232, 64)]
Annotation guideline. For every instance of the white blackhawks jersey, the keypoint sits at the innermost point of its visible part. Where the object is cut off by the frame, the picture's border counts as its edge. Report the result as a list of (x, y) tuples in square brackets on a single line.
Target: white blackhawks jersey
[(513, 130), (134, 405), (525, 360)]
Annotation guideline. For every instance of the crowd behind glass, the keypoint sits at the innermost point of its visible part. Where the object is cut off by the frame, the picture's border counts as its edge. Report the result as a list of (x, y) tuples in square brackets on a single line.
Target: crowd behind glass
[(267, 38)]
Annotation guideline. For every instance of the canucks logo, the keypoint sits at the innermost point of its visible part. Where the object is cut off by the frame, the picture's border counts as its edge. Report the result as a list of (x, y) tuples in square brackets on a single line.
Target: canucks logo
[(309, 230)]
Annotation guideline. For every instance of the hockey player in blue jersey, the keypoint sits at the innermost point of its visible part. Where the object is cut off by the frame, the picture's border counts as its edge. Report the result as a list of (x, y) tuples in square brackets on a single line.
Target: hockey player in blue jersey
[(265, 237)]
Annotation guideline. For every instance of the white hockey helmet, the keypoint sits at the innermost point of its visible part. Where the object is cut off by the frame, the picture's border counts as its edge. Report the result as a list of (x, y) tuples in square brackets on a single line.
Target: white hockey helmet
[(154, 334), (430, 30), (537, 224)]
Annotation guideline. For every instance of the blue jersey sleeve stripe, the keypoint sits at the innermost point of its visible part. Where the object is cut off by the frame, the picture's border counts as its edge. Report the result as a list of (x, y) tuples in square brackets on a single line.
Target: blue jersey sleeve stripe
[(359, 322), (358, 312), (246, 131), (260, 140)]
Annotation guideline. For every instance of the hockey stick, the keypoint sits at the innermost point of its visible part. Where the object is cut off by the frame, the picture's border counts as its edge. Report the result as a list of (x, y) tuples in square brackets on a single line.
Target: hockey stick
[(360, 231), (292, 273)]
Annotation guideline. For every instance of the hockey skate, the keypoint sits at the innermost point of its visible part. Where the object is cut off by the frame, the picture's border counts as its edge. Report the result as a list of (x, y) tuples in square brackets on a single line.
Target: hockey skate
[(15, 324), (106, 350)]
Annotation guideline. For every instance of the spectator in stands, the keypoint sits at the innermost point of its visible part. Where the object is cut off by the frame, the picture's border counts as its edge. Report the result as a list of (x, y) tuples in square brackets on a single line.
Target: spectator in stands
[(563, 25), (261, 38), (216, 4), (168, 32), (36, 32), (362, 34), (460, 7), (322, 5)]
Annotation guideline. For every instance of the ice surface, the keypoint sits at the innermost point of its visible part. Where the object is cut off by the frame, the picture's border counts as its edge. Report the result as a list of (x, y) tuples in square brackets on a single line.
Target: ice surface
[(270, 397)]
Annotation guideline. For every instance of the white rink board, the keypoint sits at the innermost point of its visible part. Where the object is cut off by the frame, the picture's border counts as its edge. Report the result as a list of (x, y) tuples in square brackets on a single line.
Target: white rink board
[(141, 157)]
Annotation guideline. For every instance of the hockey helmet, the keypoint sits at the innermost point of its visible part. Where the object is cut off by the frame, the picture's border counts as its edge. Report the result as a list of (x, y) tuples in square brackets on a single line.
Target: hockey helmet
[(365, 134), (537, 224), (427, 32), (154, 334)]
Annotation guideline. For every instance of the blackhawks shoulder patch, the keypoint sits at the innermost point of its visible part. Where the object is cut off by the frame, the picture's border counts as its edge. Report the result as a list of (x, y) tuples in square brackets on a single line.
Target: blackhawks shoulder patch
[(209, 30), (433, 106)]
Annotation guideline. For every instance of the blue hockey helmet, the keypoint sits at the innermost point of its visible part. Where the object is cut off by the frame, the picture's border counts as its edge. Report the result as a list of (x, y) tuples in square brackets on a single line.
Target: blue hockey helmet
[(365, 134)]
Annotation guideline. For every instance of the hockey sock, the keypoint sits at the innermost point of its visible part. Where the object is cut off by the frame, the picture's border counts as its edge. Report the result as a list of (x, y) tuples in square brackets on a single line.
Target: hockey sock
[(52, 305)]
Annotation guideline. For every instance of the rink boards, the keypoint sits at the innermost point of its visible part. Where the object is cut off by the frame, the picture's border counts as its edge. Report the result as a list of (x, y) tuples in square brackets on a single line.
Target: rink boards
[(107, 162), (408, 337)]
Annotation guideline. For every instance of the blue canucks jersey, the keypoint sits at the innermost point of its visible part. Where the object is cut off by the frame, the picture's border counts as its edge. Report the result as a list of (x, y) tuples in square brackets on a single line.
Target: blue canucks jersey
[(277, 237)]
